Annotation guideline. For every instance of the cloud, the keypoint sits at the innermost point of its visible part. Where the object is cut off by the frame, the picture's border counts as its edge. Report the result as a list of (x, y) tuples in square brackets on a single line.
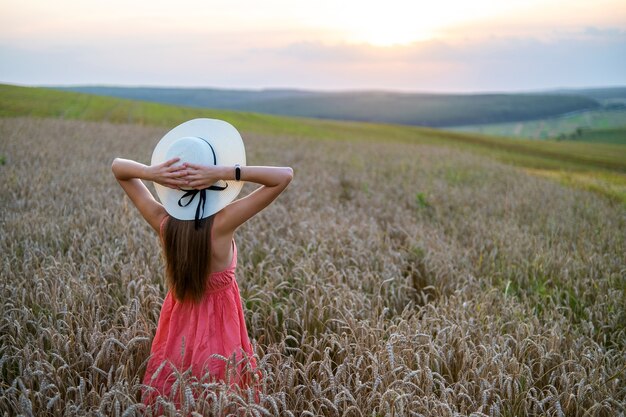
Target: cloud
[(318, 51), (588, 57), (605, 33)]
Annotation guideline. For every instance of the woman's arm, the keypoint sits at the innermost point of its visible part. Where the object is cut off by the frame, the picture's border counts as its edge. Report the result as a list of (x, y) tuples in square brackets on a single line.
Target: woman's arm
[(273, 181), (129, 175)]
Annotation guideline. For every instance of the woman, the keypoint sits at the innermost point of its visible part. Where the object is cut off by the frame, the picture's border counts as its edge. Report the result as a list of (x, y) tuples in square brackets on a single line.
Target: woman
[(201, 318)]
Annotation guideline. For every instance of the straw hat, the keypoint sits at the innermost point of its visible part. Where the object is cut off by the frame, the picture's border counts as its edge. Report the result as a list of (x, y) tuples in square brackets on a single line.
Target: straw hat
[(206, 142)]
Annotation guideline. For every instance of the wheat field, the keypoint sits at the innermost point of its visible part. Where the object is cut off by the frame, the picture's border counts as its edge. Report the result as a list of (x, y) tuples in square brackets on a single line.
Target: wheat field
[(389, 279)]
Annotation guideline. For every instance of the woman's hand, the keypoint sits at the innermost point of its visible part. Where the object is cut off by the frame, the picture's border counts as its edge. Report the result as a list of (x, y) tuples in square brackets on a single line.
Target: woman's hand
[(167, 174), (203, 176)]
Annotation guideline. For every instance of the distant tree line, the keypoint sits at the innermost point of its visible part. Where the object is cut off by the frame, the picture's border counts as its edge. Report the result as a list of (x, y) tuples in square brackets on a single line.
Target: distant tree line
[(434, 110)]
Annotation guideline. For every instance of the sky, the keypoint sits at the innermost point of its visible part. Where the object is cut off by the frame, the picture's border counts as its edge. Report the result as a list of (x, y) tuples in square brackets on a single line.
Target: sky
[(412, 46)]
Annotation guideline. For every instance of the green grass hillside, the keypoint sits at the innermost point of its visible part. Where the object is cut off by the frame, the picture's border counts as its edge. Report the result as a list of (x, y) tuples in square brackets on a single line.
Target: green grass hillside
[(578, 126), (613, 135), (600, 167)]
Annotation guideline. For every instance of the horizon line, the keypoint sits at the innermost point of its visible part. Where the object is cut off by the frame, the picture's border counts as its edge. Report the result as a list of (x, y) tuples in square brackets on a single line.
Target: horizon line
[(322, 90)]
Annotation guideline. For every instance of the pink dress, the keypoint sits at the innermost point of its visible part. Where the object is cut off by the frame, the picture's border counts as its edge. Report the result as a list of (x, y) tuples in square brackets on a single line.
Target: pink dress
[(188, 334)]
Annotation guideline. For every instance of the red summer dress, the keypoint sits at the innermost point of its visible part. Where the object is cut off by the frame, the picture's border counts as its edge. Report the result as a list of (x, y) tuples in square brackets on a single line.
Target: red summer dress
[(188, 334)]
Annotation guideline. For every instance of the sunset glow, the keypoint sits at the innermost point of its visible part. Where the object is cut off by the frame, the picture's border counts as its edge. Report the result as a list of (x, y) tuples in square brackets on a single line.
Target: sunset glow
[(403, 22), (446, 45)]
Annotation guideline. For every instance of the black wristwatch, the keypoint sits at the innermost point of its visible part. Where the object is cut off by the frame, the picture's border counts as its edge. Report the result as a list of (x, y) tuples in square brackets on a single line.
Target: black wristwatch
[(237, 172)]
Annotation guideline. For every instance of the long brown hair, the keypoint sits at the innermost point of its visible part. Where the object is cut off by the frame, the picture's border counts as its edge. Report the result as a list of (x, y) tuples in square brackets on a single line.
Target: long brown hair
[(187, 257)]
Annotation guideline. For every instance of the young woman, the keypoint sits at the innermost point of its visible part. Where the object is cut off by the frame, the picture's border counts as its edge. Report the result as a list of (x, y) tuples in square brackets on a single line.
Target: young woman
[(202, 313)]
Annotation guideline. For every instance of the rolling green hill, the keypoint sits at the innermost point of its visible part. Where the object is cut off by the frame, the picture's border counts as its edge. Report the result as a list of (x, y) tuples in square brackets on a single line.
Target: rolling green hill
[(606, 125), (435, 110), (601, 167), (600, 94), (614, 135)]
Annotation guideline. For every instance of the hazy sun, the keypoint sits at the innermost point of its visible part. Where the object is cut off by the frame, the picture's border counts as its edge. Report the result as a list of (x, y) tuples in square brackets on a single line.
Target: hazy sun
[(385, 24), (393, 35), (393, 22)]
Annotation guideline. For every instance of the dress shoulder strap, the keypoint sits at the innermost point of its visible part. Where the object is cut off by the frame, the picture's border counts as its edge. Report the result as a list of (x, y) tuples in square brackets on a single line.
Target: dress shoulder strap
[(233, 263)]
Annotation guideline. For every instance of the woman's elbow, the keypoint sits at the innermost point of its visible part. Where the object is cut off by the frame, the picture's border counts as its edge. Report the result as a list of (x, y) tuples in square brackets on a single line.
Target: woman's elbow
[(113, 165)]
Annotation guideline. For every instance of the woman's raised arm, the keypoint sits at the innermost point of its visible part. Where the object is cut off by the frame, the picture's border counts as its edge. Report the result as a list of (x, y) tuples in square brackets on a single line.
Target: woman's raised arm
[(273, 181)]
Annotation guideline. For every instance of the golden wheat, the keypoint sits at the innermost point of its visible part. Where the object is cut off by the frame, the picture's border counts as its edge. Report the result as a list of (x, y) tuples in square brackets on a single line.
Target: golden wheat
[(388, 280)]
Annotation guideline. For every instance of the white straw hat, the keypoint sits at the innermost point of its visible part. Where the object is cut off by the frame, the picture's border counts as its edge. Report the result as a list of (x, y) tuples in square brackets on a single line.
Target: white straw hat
[(206, 142)]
